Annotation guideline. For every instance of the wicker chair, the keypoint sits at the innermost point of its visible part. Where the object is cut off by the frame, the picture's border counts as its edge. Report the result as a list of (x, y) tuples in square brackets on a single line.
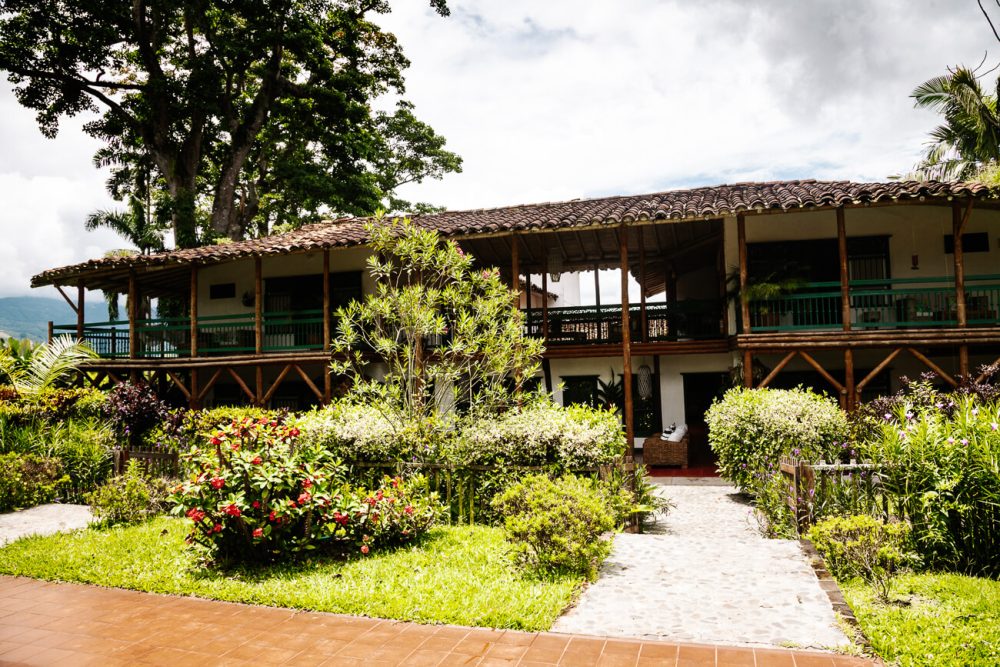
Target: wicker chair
[(659, 452)]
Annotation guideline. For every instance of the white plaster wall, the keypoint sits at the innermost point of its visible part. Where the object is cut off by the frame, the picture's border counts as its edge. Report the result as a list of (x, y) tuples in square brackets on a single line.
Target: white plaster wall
[(671, 379)]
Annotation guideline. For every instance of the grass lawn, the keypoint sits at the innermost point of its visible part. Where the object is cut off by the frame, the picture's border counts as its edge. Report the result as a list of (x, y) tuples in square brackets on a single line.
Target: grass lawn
[(942, 620), (457, 574)]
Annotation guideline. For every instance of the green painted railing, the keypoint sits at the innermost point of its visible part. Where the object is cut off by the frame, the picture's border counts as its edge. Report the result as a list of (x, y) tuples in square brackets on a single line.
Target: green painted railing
[(874, 304), (170, 337)]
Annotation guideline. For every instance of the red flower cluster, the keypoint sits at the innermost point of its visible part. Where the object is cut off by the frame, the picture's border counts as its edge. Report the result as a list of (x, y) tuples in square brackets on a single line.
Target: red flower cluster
[(258, 533), (304, 497), (217, 483), (195, 514), (232, 510)]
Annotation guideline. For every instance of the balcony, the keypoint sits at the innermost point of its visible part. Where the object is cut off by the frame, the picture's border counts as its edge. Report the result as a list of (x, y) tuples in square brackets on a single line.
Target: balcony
[(596, 325), (217, 335), (898, 303)]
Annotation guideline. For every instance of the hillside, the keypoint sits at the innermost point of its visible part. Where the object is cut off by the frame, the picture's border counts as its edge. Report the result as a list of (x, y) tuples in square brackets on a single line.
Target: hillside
[(28, 316)]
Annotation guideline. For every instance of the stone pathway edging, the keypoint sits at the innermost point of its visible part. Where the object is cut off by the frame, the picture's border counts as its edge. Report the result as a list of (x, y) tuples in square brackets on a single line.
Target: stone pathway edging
[(837, 599)]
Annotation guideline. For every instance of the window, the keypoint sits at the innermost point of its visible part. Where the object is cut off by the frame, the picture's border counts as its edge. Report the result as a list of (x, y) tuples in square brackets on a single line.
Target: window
[(973, 242), (579, 389), (222, 291)]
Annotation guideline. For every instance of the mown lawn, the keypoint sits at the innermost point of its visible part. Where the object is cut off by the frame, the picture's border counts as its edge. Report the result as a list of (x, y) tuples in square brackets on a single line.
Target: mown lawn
[(457, 574), (935, 619)]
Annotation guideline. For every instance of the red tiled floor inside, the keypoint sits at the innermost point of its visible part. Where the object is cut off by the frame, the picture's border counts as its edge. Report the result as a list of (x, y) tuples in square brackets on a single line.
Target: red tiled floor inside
[(44, 623)]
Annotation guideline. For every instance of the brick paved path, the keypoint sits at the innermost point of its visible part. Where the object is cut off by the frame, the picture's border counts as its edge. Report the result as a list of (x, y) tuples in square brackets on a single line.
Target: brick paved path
[(44, 623)]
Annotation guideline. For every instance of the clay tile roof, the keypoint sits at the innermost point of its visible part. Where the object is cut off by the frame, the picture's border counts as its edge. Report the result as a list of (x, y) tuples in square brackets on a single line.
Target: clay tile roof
[(673, 205)]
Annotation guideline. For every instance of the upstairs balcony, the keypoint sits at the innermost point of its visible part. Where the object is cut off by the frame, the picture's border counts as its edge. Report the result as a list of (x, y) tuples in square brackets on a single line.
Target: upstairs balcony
[(898, 303)]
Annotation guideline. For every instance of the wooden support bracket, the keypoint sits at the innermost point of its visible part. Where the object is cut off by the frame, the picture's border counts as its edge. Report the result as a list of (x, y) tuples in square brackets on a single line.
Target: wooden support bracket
[(777, 369), (179, 384), (309, 383), (239, 381), (277, 383)]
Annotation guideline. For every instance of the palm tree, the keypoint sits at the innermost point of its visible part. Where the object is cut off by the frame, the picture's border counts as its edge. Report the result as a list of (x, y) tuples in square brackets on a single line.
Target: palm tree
[(969, 139), (45, 366), (134, 225)]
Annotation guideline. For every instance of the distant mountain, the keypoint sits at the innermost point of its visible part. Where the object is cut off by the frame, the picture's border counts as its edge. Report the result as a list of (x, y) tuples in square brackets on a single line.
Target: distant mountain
[(28, 316)]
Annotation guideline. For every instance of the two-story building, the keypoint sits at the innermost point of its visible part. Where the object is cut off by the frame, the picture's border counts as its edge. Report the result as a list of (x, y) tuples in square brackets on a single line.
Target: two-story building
[(842, 286)]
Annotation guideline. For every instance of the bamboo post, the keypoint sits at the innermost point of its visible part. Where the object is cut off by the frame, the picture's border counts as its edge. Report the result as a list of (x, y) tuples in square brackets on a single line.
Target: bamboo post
[(748, 369), (741, 237), (80, 297), (643, 318), (958, 222), (515, 270), (545, 297), (845, 296), (720, 267), (326, 303), (626, 343), (193, 308), (133, 314), (50, 332), (258, 305), (597, 298), (852, 399)]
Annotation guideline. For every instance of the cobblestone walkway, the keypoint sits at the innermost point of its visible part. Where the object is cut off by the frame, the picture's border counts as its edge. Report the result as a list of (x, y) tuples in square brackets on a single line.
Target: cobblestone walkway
[(707, 576), (43, 520)]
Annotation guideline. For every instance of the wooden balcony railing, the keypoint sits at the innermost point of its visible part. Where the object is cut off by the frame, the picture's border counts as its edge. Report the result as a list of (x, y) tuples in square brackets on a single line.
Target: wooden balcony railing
[(874, 304), (594, 325)]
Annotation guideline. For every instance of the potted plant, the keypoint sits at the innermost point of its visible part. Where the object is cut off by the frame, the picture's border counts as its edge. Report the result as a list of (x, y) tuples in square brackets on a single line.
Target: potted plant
[(762, 291)]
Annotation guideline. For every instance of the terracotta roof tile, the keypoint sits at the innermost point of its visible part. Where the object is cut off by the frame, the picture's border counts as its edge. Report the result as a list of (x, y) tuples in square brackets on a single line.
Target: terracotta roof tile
[(689, 204)]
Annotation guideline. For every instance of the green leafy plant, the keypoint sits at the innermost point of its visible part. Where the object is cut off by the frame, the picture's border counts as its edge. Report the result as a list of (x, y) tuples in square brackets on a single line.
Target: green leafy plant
[(128, 498), (556, 525), (46, 366), (255, 495), (133, 408), (862, 546), (448, 334), (27, 480)]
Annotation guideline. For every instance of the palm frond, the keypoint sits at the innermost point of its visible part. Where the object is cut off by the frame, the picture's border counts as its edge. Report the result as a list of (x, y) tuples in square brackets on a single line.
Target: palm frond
[(51, 363)]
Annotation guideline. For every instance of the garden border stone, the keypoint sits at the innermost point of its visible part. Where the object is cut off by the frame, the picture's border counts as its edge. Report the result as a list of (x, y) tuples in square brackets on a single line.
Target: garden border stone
[(832, 589)]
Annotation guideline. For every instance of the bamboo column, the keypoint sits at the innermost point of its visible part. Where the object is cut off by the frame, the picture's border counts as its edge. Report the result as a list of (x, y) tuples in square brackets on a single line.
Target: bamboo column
[(643, 318), (80, 320), (741, 236), (845, 288), (958, 222), (851, 398), (258, 305), (133, 315), (515, 270), (720, 268), (327, 331), (545, 298), (193, 310), (626, 343)]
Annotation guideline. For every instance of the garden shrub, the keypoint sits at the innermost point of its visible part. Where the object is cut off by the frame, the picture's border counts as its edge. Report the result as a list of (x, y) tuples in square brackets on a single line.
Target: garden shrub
[(556, 525), (540, 433), (51, 405), (27, 480), (865, 547), (258, 495), (751, 429), (181, 429), (376, 433), (939, 470), (128, 498), (133, 408)]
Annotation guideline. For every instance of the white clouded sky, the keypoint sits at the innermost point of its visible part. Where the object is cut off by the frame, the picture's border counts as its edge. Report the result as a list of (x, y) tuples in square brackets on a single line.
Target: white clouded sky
[(575, 98)]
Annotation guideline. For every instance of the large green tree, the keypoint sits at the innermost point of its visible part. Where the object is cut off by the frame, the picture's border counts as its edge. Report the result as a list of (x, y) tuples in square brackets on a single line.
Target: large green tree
[(248, 113)]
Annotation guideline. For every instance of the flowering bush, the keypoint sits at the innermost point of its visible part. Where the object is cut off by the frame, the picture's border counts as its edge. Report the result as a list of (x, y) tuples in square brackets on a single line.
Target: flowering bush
[(557, 525), (181, 429), (542, 432), (134, 409), (256, 494), (750, 429), (940, 472), (376, 433)]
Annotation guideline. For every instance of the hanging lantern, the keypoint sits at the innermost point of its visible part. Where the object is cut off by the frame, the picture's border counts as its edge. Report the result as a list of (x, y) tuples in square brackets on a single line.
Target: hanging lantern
[(645, 382), (555, 262)]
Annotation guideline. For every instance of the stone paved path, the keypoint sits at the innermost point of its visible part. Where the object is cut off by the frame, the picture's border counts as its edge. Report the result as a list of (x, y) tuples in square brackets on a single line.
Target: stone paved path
[(44, 623), (43, 520), (707, 576)]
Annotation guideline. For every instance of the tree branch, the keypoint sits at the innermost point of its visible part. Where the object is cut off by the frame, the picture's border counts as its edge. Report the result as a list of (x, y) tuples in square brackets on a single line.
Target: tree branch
[(988, 19)]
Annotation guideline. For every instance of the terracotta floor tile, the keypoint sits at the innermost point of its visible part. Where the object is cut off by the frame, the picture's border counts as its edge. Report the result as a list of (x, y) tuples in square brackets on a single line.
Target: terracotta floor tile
[(769, 658), (813, 660), (551, 642), (423, 658), (689, 655), (498, 662), (472, 646), (545, 655), (617, 660), (262, 653), (734, 657), (459, 660), (655, 650), (439, 643)]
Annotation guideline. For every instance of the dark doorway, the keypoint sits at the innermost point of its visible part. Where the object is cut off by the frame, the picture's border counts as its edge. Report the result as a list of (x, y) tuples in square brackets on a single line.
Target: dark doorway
[(700, 389)]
